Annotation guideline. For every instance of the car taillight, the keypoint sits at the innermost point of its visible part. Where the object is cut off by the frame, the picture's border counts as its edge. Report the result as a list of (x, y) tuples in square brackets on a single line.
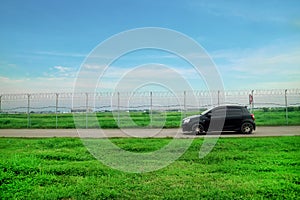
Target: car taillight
[(253, 117)]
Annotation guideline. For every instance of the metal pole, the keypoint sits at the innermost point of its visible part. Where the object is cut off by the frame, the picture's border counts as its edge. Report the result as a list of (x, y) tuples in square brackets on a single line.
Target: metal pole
[(218, 97), (28, 111), (118, 109), (56, 109), (286, 108), (151, 109), (0, 103), (86, 109), (184, 103), (252, 106)]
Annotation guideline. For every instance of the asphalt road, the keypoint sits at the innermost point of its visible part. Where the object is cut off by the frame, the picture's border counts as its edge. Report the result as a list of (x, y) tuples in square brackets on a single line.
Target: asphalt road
[(157, 133)]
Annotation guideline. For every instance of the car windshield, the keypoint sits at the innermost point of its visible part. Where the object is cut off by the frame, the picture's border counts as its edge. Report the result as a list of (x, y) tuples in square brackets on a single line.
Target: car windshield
[(206, 111)]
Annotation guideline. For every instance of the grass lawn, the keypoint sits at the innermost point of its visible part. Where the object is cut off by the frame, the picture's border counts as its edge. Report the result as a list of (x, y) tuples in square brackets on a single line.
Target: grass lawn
[(237, 168), (273, 117)]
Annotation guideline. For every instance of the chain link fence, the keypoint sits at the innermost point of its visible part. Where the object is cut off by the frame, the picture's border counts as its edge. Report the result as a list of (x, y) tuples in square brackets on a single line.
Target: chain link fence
[(57, 104)]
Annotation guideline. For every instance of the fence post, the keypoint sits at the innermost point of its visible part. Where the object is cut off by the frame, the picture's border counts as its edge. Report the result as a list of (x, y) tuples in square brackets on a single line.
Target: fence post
[(218, 97), (56, 109), (0, 103), (252, 105), (151, 109), (184, 103), (286, 108), (28, 111), (86, 109), (118, 109)]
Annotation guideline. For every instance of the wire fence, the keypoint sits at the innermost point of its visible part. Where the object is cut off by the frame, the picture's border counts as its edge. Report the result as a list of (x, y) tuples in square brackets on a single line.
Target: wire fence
[(185, 101)]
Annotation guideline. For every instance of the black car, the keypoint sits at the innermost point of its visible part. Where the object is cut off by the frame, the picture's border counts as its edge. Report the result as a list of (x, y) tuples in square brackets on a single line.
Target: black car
[(224, 118)]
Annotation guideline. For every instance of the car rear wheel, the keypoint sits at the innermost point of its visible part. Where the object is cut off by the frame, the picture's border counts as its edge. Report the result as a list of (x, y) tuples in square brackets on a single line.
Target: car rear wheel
[(198, 129), (246, 128)]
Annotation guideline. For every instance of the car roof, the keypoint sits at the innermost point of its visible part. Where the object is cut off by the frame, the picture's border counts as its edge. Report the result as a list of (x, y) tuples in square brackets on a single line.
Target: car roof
[(230, 106)]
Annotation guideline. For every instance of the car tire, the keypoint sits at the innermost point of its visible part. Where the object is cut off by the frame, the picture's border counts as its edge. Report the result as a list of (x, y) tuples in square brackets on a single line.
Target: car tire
[(246, 128), (198, 129)]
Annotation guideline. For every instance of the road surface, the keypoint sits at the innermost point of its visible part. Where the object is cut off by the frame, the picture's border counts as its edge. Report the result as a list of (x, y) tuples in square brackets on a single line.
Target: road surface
[(264, 131)]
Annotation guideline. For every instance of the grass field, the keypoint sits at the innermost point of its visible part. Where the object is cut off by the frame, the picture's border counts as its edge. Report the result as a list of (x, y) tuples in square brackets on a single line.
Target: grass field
[(133, 119), (237, 168), (276, 117)]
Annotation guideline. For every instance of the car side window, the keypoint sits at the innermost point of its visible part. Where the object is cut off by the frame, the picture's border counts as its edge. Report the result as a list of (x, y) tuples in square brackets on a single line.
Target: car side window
[(234, 112), (219, 112)]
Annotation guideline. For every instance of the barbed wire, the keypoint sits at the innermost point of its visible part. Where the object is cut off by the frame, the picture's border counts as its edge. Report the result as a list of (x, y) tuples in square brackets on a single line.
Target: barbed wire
[(143, 100), (196, 92)]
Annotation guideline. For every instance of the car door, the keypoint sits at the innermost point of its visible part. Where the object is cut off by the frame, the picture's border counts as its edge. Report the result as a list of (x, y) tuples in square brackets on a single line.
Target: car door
[(233, 119), (218, 119)]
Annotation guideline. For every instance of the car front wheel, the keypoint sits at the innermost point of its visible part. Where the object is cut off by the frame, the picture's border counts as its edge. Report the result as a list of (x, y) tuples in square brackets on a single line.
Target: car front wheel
[(246, 128), (198, 129)]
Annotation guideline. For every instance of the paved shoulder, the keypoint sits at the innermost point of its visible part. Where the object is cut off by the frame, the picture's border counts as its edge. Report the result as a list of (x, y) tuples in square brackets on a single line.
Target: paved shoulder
[(157, 133)]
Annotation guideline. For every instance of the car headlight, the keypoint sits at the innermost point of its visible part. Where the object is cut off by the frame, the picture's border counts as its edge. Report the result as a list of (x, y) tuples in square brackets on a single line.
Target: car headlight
[(186, 120)]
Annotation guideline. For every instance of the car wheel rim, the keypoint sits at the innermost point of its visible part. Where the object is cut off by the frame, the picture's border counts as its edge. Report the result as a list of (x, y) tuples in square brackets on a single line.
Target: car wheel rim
[(198, 129), (247, 128)]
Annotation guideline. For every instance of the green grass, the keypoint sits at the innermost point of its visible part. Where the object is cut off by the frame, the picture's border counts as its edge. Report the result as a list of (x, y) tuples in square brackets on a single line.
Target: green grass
[(264, 117), (276, 117), (237, 168)]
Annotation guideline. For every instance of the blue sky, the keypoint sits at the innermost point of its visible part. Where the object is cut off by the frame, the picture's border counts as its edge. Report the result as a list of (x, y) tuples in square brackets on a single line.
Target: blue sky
[(254, 44)]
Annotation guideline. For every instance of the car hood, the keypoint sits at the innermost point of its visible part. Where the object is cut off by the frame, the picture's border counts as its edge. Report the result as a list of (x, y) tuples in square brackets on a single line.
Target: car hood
[(193, 116)]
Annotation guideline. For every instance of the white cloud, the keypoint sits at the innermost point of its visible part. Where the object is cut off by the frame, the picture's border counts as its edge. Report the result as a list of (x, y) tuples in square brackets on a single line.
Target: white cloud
[(267, 67), (92, 67), (251, 11), (285, 63), (33, 85), (260, 61), (264, 66), (61, 71), (53, 53), (128, 78), (4, 79), (58, 78)]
